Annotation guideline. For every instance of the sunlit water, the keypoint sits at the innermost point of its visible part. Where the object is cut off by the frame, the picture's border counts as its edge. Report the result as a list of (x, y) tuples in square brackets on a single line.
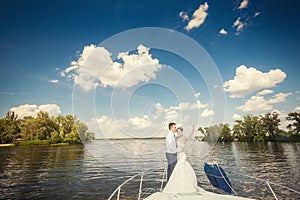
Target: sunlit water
[(95, 170)]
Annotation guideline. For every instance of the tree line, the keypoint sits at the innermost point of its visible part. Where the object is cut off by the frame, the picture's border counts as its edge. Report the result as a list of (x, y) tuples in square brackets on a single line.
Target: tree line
[(259, 128), (43, 129)]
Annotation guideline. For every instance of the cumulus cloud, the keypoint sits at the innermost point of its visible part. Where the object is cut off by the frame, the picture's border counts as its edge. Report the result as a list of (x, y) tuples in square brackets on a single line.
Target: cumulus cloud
[(199, 17), (197, 95), (146, 125), (223, 31), (256, 14), (189, 106), (197, 105), (297, 108), (279, 98), (32, 110), (184, 16), (54, 81), (159, 109), (264, 92), (259, 103), (236, 116), (256, 103), (243, 4), (140, 122), (95, 66), (207, 113), (126, 128), (248, 80), (238, 24), (171, 115)]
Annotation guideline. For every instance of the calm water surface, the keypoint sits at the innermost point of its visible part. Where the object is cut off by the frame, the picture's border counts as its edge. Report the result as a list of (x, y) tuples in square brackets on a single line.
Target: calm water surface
[(94, 170)]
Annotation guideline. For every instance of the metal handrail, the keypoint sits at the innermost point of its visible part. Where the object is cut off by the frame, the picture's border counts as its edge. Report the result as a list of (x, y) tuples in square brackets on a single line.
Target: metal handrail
[(272, 190), (118, 189), (163, 178)]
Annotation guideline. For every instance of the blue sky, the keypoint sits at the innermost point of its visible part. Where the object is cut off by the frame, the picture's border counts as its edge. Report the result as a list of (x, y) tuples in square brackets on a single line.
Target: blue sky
[(39, 40)]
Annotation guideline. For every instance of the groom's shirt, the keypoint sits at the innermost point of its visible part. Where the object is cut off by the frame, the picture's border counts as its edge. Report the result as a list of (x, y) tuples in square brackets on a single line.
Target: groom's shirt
[(171, 143)]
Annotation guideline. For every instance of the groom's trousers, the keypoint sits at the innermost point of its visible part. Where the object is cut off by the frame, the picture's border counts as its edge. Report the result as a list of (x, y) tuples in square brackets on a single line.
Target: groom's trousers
[(172, 160)]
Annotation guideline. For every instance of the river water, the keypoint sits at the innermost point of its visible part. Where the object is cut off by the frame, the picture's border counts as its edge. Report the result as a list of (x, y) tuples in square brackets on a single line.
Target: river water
[(94, 170)]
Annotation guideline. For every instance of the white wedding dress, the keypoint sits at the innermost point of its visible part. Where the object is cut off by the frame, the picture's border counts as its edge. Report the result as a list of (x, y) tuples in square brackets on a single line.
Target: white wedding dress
[(183, 179)]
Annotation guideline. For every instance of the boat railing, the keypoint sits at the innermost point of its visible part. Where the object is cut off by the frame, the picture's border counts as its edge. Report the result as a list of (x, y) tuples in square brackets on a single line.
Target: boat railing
[(268, 184), (142, 193)]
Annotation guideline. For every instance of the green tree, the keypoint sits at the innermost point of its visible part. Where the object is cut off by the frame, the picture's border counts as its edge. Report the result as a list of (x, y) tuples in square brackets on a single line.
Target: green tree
[(45, 125), (270, 124), (9, 128), (294, 125), (28, 128), (226, 132), (249, 129)]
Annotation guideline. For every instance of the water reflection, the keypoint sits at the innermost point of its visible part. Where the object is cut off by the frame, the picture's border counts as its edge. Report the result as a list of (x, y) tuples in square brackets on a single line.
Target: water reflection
[(93, 172)]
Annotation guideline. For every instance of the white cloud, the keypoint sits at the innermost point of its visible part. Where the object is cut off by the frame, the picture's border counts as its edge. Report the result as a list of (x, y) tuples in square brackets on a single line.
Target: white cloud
[(248, 80), (181, 106), (256, 14), (297, 108), (159, 110), (54, 81), (95, 66), (223, 31), (236, 116), (189, 106), (52, 109), (32, 110), (107, 127), (184, 16), (239, 24), (199, 17), (207, 113), (197, 94), (197, 105), (279, 98), (243, 4), (170, 115), (256, 103), (264, 92), (140, 122), (259, 103)]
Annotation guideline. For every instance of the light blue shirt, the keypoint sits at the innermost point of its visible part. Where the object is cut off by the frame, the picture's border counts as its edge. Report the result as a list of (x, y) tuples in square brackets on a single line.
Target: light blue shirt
[(171, 143)]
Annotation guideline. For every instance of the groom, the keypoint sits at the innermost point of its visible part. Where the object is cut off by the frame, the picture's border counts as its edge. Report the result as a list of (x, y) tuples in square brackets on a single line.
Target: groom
[(172, 149)]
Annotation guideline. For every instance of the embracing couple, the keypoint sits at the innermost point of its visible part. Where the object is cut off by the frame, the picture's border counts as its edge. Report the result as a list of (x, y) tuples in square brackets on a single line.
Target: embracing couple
[(180, 176)]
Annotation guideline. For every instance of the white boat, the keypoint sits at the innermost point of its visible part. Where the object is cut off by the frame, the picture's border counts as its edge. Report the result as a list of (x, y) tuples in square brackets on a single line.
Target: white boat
[(201, 194), (157, 194)]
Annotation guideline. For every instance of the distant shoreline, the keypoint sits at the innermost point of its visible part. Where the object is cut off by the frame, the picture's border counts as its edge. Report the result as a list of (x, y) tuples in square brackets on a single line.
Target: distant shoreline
[(34, 144), (147, 138), (153, 138), (7, 145)]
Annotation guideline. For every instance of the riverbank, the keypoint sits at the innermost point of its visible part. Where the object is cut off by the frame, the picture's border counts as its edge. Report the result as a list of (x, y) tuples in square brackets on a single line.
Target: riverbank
[(34, 143), (7, 145)]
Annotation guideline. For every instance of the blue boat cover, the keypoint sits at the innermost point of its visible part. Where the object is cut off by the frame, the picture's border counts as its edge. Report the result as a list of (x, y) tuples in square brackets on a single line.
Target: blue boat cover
[(217, 177)]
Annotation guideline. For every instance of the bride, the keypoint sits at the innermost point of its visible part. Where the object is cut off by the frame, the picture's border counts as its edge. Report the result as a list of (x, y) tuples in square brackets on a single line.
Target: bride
[(183, 179)]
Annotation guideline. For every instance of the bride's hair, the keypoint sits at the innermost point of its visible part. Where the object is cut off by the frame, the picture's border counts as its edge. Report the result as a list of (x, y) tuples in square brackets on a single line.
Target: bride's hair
[(179, 128)]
